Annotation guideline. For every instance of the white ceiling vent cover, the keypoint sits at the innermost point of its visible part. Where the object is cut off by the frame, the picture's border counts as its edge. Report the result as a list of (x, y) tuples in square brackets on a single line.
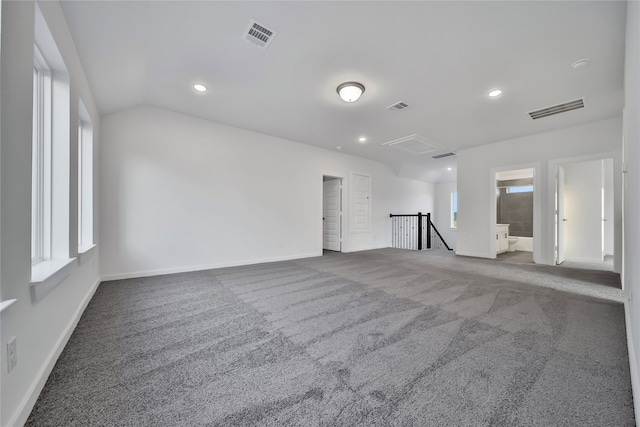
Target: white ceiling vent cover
[(414, 144), (557, 109), (443, 155), (258, 34), (398, 106)]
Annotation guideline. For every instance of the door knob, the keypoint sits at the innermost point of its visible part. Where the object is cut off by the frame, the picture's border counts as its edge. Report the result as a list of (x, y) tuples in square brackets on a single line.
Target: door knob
[(564, 219)]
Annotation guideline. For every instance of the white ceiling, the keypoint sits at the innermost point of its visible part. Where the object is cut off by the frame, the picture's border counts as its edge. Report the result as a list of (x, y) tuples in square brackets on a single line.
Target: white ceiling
[(441, 58)]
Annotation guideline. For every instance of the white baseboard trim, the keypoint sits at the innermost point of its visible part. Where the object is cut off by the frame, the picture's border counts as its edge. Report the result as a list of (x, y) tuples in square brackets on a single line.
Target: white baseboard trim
[(26, 406), (370, 248), (475, 254), (633, 362), (160, 272), (586, 260)]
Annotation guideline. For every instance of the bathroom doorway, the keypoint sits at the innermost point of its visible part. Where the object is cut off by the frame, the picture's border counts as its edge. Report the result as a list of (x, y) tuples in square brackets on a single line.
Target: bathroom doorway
[(514, 190)]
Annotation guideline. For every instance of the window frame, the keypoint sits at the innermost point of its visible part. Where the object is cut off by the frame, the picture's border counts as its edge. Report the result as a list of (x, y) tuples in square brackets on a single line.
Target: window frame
[(52, 251), (41, 160), (85, 181)]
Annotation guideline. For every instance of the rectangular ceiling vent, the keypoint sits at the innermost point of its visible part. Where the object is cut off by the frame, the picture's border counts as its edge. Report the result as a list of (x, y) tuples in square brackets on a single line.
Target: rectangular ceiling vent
[(414, 144), (258, 34), (440, 156), (398, 106), (557, 109)]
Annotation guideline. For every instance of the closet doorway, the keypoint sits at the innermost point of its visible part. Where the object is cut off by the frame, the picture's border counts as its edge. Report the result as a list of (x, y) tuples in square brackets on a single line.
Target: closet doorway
[(332, 213)]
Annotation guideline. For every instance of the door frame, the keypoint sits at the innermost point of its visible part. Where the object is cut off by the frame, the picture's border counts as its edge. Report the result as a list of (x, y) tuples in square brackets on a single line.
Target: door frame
[(559, 215), (342, 180), (537, 220), (617, 202)]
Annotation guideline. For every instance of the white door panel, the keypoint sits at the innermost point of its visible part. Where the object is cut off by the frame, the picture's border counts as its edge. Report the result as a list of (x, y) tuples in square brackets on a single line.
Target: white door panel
[(560, 219), (331, 214), (361, 202)]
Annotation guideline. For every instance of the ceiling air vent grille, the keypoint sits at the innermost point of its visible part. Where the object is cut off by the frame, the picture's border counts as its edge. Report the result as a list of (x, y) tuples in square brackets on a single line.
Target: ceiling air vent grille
[(414, 144), (258, 34), (557, 109), (398, 106), (440, 156)]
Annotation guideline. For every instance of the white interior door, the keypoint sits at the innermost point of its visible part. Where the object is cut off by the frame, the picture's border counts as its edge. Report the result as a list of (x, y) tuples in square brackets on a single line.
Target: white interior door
[(583, 209), (607, 207), (331, 215), (560, 219), (361, 208)]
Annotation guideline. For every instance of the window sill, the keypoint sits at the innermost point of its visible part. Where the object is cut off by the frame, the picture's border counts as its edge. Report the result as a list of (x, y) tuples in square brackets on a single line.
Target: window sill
[(46, 275), (454, 228), (86, 253), (6, 304)]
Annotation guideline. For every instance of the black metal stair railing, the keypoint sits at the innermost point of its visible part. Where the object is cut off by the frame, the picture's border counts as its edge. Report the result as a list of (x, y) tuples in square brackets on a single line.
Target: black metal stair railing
[(416, 232)]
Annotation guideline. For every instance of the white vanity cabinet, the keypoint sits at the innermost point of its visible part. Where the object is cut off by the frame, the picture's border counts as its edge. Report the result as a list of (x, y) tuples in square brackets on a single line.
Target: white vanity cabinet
[(502, 238)]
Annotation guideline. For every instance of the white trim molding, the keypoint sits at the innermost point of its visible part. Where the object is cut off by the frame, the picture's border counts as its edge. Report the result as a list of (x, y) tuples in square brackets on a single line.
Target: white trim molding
[(26, 405), (46, 275), (148, 273)]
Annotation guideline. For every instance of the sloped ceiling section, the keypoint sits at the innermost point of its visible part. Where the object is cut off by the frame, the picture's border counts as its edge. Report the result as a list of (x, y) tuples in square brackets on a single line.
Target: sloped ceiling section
[(440, 58)]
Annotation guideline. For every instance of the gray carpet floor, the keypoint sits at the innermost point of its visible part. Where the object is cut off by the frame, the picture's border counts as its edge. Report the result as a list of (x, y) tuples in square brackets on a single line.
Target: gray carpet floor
[(517, 256), (377, 338), (527, 258)]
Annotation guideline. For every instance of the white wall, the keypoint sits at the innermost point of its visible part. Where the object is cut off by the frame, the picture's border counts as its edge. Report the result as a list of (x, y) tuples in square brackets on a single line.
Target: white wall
[(476, 179), (631, 270), (583, 211), (442, 212), (43, 328), (607, 185), (180, 193)]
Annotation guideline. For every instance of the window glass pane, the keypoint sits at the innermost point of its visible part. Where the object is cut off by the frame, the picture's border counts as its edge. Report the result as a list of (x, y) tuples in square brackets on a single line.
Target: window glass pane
[(520, 189), (36, 172), (85, 180), (454, 209), (80, 161)]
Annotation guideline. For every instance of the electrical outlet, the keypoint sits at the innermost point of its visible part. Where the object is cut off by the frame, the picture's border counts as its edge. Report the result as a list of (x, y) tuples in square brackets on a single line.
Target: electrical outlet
[(12, 353)]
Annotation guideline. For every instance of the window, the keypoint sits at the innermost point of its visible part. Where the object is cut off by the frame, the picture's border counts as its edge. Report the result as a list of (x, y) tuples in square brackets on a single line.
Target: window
[(41, 161), (520, 189), (454, 209), (51, 164), (85, 181)]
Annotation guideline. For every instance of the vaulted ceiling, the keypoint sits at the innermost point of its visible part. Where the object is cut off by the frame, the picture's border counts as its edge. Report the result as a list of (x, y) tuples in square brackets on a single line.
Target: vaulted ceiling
[(440, 58)]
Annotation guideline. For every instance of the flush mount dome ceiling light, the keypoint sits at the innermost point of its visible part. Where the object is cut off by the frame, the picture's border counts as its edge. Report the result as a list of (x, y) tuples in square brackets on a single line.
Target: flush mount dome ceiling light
[(495, 93), (350, 91), (200, 88), (580, 64)]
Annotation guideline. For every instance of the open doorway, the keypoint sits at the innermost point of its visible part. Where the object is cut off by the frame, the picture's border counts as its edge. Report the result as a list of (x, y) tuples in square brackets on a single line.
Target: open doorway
[(331, 213), (514, 223), (584, 214)]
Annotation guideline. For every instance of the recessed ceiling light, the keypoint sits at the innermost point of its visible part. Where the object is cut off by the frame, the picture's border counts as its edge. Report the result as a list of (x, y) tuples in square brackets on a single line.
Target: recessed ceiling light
[(350, 91), (449, 169), (362, 139), (495, 93), (580, 63), (200, 88)]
